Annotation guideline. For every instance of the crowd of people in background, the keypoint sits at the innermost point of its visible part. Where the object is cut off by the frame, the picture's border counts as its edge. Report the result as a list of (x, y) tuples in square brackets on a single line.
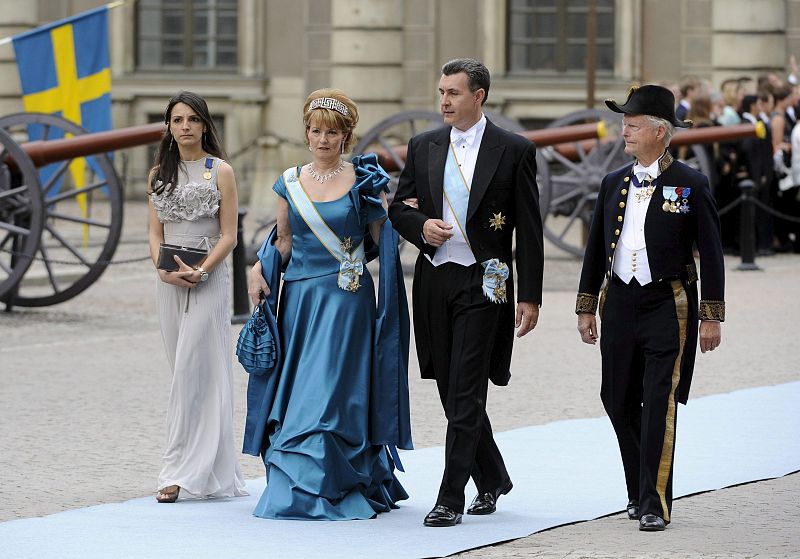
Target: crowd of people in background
[(772, 162)]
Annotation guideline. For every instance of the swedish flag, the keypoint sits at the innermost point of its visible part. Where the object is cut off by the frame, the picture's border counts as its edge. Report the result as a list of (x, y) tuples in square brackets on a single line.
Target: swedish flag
[(64, 69)]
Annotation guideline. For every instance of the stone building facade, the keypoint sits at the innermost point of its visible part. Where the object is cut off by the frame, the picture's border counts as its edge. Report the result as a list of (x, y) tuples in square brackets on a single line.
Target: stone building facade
[(256, 60)]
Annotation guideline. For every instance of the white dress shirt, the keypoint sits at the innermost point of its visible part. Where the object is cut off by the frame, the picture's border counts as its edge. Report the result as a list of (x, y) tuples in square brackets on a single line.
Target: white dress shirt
[(466, 144), (630, 257)]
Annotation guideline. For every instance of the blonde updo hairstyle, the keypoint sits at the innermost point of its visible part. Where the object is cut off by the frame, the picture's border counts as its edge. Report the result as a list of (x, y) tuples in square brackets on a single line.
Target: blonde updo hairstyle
[(330, 117)]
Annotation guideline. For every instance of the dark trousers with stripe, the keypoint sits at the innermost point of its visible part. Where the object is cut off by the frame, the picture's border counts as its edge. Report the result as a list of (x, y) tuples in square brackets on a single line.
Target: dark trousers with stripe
[(461, 322), (642, 341)]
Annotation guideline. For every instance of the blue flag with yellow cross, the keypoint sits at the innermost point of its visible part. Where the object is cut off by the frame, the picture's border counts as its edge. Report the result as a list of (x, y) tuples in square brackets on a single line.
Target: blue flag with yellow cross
[(64, 70)]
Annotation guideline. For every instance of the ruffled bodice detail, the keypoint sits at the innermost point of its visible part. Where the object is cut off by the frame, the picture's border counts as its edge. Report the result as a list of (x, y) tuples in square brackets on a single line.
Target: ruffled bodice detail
[(188, 202), (194, 197)]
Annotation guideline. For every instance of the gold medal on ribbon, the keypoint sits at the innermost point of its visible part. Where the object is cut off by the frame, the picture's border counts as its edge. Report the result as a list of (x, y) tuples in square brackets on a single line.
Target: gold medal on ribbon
[(207, 175)]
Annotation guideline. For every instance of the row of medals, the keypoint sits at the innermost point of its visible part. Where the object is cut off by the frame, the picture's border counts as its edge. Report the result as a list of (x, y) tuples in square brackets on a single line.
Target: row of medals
[(673, 207), (646, 193)]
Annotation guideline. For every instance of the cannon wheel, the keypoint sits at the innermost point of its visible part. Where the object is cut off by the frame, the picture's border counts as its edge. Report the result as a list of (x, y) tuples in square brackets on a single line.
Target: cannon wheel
[(568, 189), (395, 131), (77, 242), (21, 213)]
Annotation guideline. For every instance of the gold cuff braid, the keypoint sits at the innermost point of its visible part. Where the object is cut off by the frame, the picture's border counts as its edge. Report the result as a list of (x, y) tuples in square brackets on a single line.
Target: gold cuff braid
[(712, 310), (586, 303)]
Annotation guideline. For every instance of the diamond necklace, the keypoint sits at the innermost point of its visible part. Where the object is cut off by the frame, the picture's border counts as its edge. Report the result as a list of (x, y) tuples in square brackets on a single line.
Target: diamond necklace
[(319, 177)]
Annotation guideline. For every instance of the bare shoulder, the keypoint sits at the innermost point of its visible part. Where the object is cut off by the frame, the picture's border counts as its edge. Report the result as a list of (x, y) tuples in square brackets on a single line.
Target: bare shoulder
[(225, 177), (225, 169)]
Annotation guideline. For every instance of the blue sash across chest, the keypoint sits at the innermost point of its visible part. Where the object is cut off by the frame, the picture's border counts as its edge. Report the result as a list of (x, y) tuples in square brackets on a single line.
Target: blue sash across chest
[(456, 191), (351, 259)]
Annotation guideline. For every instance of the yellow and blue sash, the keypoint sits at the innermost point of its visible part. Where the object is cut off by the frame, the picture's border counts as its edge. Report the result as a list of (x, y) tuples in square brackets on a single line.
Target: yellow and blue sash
[(351, 259)]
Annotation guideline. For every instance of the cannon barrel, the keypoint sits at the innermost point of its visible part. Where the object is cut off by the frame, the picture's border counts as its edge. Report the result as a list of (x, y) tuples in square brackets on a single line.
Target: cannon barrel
[(682, 137), (43, 152), (563, 139), (563, 135), (711, 134)]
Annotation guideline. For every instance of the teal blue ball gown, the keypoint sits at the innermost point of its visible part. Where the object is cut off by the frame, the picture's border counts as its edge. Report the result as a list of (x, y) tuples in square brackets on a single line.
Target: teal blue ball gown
[(320, 428)]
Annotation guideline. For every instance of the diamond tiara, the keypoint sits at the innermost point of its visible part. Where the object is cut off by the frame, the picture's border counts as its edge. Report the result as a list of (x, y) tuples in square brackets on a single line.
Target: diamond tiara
[(329, 103)]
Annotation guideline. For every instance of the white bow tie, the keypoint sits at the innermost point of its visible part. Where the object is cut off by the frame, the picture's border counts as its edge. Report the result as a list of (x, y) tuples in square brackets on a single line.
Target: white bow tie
[(643, 172), (458, 137)]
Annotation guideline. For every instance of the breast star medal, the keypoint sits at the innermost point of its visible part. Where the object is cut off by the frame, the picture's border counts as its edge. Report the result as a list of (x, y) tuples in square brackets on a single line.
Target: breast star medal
[(497, 221), (347, 244)]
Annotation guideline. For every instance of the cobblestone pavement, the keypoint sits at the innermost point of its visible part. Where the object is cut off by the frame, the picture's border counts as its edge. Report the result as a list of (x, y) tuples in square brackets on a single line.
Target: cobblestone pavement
[(85, 387)]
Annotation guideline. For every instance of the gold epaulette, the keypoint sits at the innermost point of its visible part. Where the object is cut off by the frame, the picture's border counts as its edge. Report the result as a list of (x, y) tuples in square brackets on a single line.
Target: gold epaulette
[(712, 310), (586, 303)]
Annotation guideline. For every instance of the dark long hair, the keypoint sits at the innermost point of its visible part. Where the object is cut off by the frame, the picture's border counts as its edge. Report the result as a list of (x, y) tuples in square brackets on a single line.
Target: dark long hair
[(168, 158)]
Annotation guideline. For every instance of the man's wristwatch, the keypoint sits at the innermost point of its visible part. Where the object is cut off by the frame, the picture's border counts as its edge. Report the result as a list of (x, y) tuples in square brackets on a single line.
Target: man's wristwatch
[(203, 274)]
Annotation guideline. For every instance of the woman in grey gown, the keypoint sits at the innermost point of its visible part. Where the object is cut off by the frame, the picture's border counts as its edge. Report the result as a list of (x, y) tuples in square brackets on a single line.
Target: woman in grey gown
[(193, 203)]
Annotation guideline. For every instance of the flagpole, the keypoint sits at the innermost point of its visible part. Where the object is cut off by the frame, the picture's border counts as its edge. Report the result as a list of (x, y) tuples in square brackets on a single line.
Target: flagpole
[(109, 6)]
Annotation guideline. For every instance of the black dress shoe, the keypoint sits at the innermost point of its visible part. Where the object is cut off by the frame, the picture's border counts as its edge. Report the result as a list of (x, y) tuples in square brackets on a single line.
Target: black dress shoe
[(651, 523), (633, 509), (441, 516), (486, 503)]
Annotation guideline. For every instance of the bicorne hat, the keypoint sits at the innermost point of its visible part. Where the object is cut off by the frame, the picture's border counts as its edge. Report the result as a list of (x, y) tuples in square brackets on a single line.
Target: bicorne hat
[(652, 100)]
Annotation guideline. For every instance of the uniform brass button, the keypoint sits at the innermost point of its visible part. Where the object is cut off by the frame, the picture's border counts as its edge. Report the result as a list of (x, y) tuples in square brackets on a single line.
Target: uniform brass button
[(609, 259), (626, 179), (624, 191), (622, 204), (613, 245), (608, 274), (616, 231), (619, 218)]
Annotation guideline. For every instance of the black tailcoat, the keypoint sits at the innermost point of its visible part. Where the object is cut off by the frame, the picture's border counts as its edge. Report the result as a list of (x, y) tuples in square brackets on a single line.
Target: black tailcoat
[(504, 183), (670, 238)]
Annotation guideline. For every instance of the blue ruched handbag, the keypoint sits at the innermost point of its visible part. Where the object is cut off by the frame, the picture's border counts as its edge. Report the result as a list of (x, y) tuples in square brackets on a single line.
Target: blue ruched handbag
[(257, 349)]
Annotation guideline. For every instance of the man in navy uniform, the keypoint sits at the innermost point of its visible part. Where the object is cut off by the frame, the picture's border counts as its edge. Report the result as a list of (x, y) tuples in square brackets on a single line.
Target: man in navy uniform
[(466, 190), (648, 217)]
